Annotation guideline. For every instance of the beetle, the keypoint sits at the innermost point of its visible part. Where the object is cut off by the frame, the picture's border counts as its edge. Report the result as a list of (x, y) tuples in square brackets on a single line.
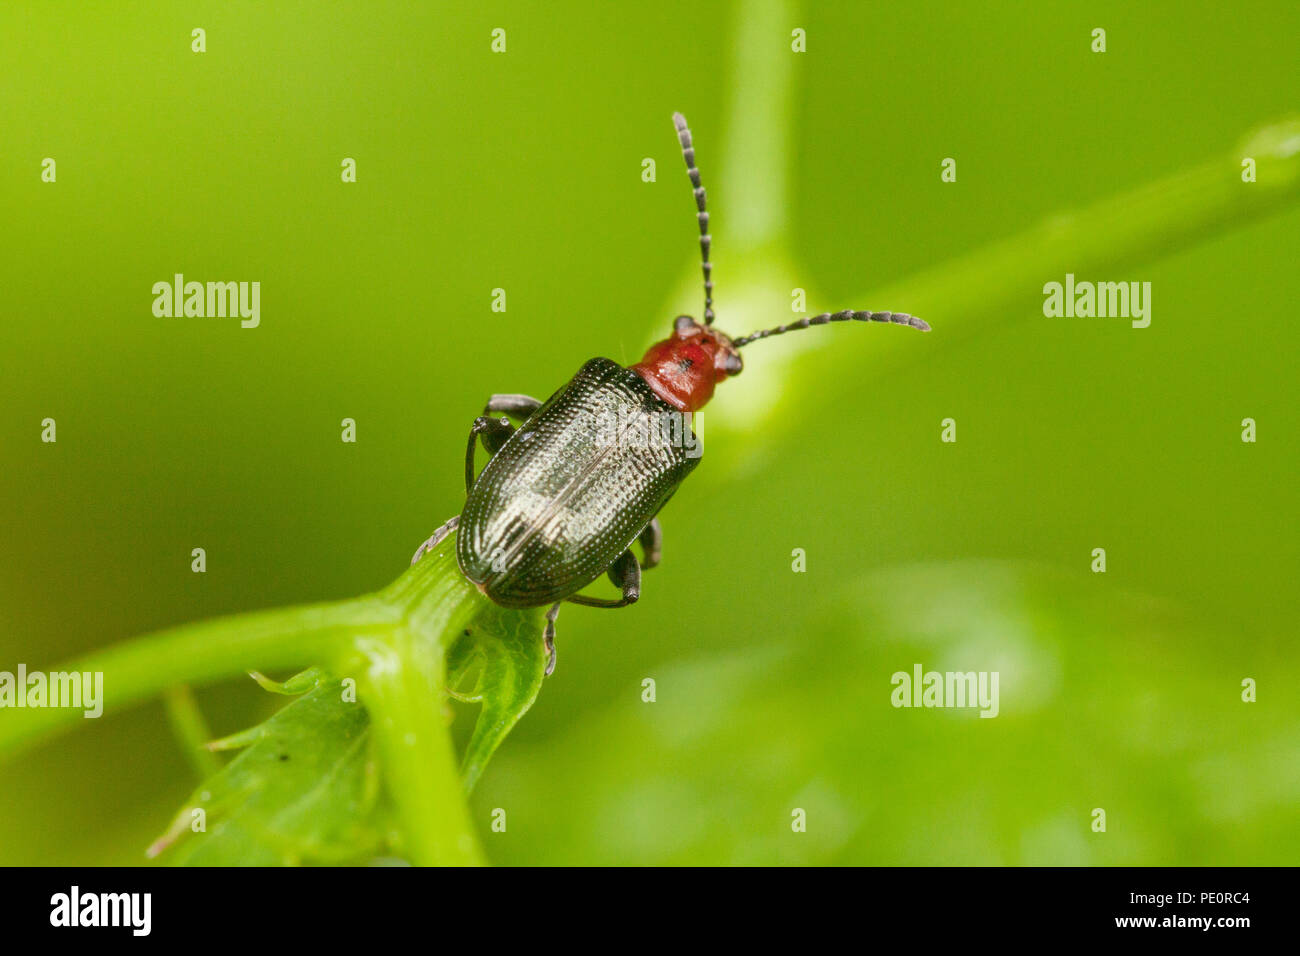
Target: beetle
[(564, 496)]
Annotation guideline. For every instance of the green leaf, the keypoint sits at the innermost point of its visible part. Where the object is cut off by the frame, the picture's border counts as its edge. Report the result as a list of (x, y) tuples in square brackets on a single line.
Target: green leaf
[(513, 656), (304, 790), (331, 780)]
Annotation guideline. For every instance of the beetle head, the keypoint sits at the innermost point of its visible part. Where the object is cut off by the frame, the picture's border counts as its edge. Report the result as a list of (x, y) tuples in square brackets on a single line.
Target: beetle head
[(684, 368)]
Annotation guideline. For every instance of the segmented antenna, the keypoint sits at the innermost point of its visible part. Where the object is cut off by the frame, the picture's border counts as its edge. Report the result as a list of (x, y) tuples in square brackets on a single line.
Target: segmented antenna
[(701, 203), (898, 318)]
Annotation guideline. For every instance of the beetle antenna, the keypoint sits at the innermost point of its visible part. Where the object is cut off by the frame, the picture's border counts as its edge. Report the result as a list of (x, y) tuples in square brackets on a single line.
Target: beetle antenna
[(898, 318), (701, 203)]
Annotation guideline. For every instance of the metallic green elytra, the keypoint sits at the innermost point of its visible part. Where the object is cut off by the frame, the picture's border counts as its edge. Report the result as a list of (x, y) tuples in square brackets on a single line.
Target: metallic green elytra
[(570, 491)]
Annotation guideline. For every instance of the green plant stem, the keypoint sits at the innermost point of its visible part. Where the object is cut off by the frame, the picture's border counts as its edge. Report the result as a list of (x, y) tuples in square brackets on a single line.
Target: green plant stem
[(1121, 232), (404, 674), (405, 677), (202, 653), (397, 639), (756, 161), (210, 651), (191, 729), (1003, 281)]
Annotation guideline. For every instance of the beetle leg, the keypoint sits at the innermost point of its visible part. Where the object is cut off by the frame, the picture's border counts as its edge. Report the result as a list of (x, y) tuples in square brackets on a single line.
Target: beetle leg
[(436, 537), (548, 636), (624, 572), (652, 542), (495, 431), (520, 406)]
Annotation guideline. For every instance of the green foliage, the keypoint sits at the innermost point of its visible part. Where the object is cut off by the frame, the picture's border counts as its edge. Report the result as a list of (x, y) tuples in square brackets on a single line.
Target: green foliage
[(304, 790), (334, 776), (307, 788), (507, 648)]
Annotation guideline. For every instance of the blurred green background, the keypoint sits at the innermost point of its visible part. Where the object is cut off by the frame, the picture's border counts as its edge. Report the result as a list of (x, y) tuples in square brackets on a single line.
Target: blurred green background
[(522, 171)]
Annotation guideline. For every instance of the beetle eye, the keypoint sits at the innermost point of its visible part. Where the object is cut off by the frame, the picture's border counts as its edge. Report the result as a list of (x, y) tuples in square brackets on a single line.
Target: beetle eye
[(683, 324), (732, 363)]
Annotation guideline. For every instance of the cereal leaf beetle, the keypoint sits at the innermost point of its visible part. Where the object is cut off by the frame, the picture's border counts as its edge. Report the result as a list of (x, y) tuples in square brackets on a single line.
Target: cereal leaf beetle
[(563, 497)]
